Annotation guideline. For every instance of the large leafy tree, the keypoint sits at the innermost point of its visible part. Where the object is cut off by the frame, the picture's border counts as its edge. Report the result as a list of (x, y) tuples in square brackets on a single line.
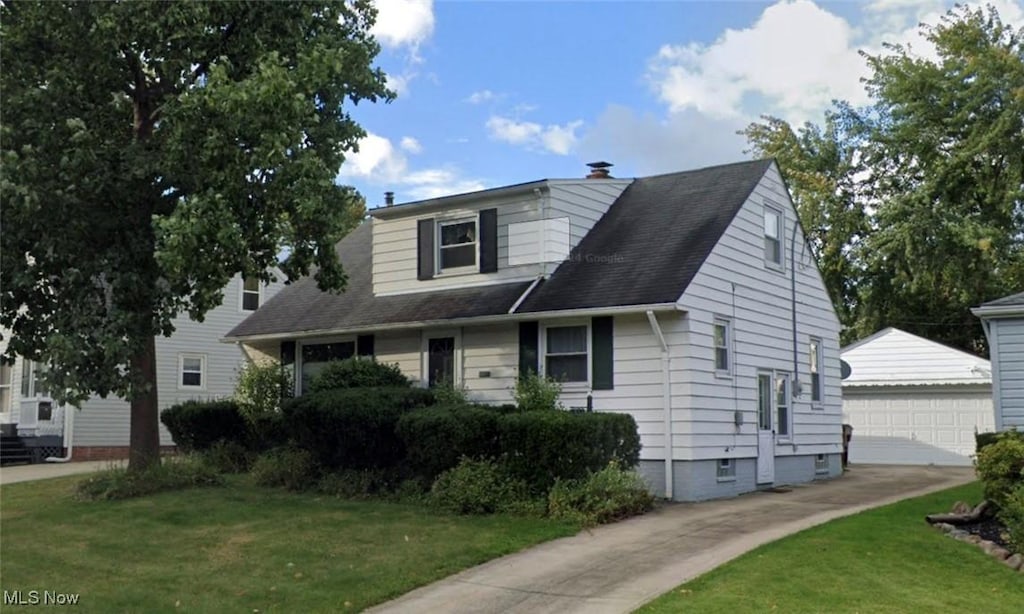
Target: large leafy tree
[(822, 167), (150, 152), (916, 203)]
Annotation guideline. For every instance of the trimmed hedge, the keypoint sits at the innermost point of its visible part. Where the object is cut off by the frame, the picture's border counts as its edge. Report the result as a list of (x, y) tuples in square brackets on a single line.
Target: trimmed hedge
[(197, 425), (358, 373), (981, 440), (1000, 466), (541, 447), (438, 437), (353, 428)]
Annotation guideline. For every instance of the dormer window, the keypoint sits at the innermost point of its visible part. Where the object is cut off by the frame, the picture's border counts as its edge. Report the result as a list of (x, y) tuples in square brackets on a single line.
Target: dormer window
[(457, 244)]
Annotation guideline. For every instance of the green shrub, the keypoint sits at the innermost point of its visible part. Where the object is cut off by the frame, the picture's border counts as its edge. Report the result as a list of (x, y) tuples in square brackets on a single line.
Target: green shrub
[(197, 425), (358, 483), (1012, 515), (540, 447), (261, 389), (358, 373), (437, 437), (1000, 467), (983, 439), (171, 474), (476, 487), (266, 432), (451, 395), (289, 468), (603, 496), (535, 392), (353, 428), (227, 457)]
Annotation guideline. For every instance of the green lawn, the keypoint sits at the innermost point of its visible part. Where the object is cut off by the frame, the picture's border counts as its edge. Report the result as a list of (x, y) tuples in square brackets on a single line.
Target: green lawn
[(239, 548), (883, 560)]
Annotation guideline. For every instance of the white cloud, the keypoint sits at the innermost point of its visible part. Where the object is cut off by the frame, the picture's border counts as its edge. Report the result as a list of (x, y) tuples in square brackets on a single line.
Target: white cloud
[(411, 145), (794, 60), (400, 83), (553, 138), (379, 162), (404, 23), (481, 96)]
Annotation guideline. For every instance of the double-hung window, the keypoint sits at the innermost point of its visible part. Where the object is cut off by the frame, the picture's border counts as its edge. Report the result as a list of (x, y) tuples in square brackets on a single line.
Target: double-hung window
[(5, 388), (457, 244), (315, 357), (192, 371), (772, 236), (566, 353), (722, 334), (814, 352), (250, 293)]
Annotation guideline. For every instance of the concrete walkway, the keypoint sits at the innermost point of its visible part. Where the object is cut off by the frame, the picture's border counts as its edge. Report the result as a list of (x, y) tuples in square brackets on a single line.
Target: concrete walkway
[(619, 567), (11, 474)]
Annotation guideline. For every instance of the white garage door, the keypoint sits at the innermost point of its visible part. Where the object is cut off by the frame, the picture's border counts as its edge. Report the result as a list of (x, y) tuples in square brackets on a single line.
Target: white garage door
[(913, 425)]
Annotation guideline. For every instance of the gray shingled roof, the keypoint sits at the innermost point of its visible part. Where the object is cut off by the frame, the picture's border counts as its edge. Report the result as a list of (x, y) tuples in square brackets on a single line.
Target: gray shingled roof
[(650, 243), (1013, 299), (645, 250), (302, 306)]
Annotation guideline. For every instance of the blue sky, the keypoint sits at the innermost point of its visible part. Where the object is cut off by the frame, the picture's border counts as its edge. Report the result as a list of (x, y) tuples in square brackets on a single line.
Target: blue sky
[(494, 93)]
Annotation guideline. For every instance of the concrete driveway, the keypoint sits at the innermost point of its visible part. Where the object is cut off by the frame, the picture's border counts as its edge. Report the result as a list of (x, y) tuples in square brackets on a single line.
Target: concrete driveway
[(11, 474), (619, 567)]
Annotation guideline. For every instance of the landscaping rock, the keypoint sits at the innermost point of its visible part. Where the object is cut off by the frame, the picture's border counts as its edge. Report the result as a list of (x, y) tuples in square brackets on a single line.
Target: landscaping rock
[(1015, 561), (995, 550), (961, 507), (945, 527), (973, 539)]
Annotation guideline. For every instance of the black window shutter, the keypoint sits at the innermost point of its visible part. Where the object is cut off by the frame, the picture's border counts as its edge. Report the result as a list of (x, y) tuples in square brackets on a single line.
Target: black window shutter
[(364, 345), (488, 240), (528, 350), (287, 353), (602, 329), (425, 249)]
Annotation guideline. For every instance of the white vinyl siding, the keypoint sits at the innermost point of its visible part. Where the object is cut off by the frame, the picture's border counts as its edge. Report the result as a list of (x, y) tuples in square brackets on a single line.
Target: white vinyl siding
[(6, 388), (732, 283)]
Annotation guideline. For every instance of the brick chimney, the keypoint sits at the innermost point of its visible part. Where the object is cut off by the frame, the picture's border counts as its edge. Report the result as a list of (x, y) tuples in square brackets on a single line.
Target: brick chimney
[(599, 170), (389, 199)]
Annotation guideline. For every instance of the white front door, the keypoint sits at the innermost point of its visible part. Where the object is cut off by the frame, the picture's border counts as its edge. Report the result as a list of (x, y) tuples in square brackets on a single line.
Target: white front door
[(765, 432)]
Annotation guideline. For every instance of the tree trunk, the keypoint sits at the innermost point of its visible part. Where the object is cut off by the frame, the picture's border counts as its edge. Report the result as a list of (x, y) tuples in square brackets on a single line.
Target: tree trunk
[(144, 450)]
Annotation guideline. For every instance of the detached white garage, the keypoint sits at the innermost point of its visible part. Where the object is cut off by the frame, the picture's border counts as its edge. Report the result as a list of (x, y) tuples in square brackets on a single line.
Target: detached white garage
[(912, 401)]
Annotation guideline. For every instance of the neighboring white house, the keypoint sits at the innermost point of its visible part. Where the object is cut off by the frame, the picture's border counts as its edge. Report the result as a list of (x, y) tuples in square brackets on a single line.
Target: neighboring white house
[(912, 401), (191, 364), (1003, 320), (688, 300)]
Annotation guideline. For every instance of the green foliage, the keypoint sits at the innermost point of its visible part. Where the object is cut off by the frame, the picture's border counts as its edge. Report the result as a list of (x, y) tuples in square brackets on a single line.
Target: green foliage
[(1012, 515), (451, 395), (152, 152), (983, 440), (266, 432), (359, 483), (604, 496), (913, 204), (198, 425), (437, 437), (172, 474), (476, 487), (261, 388), (290, 468), (353, 428), (1000, 466), (227, 457), (541, 447), (358, 373), (535, 392)]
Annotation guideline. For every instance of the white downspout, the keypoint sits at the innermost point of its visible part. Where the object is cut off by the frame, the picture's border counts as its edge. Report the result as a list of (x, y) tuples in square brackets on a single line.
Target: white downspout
[(69, 436), (666, 389)]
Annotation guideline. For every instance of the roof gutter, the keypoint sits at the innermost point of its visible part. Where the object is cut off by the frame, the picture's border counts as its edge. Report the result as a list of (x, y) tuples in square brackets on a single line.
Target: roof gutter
[(998, 311), (489, 319)]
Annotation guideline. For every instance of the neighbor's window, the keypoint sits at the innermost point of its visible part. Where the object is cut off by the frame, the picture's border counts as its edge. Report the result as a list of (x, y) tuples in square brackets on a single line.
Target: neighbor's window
[(772, 235), (722, 334), (192, 370), (457, 245), (814, 352), (821, 463), (5, 388), (566, 353), (250, 293), (782, 404), (726, 468), (31, 384)]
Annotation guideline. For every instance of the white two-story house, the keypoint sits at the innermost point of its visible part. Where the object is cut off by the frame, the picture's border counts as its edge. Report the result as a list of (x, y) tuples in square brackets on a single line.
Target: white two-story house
[(191, 364), (690, 301)]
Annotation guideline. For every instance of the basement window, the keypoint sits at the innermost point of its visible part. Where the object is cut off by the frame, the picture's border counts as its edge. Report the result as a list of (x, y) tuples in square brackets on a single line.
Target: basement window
[(821, 463), (726, 470)]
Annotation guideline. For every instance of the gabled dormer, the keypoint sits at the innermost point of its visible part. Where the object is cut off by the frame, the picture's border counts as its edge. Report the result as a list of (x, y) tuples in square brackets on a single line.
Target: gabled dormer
[(505, 234)]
